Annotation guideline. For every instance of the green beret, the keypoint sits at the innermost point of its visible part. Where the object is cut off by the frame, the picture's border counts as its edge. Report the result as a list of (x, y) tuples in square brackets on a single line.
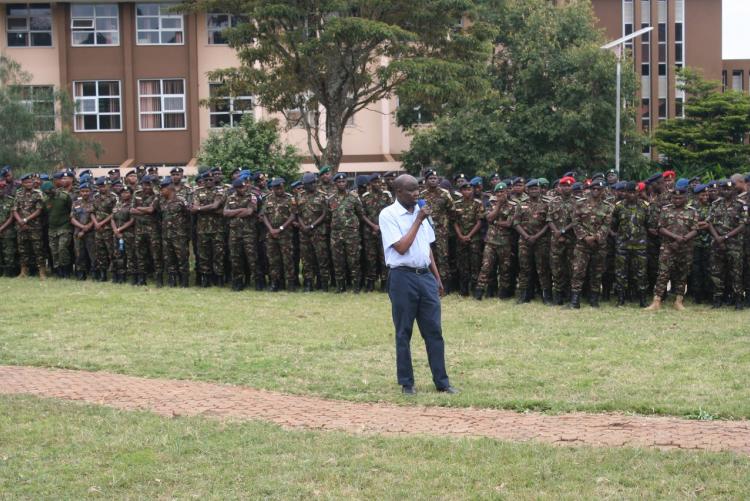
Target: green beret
[(501, 187), (324, 169), (543, 181)]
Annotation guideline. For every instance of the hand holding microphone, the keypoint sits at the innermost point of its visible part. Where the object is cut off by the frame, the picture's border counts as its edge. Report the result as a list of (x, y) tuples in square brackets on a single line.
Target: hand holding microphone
[(425, 211)]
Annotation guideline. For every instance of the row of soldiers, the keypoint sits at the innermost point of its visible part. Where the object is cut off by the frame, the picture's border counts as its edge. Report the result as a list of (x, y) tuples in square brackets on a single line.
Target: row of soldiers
[(564, 241)]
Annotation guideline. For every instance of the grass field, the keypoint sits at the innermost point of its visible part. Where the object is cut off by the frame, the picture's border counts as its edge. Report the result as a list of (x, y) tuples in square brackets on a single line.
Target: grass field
[(55, 450), (501, 355)]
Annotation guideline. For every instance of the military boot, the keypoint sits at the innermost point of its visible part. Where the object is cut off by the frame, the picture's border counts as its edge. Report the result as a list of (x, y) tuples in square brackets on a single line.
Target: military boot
[(159, 279), (80, 276), (464, 289), (594, 299), (205, 281), (340, 286), (547, 297), (324, 285), (642, 299), (42, 273), (172, 280), (655, 304), (184, 280), (103, 276), (260, 284), (219, 281), (142, 279), (369, 285), (620, 298), (307, 286), (717, 303), (237, 284), (738, 304), (678, 302), (134, 279), (557, 298), (503, 293), (575, 301), (274, 286), (478, 293), (24, 271)]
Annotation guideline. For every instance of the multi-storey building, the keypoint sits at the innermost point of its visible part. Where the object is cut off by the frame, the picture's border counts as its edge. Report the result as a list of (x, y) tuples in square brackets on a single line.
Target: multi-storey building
[(138, 71)]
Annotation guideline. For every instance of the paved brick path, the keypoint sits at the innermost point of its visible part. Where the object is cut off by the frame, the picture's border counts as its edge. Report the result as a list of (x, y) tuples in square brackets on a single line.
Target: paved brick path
[(188, 398)]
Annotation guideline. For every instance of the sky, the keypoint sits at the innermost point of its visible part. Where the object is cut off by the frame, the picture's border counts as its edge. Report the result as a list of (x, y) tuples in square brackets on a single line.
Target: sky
[(735, 32)]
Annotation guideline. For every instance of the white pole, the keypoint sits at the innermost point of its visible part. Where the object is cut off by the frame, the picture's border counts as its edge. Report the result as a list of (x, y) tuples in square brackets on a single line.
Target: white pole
[(617, 112)]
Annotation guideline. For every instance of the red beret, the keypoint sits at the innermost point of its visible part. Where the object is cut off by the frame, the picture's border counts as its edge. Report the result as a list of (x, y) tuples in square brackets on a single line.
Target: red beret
[(668, 173)]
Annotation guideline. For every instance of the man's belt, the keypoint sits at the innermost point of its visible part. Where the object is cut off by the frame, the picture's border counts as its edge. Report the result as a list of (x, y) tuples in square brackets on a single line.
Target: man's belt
[(411, 269)]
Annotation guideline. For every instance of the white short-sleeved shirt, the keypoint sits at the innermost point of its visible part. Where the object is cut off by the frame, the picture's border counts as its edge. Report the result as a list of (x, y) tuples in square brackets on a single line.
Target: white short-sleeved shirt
[(395, 222)]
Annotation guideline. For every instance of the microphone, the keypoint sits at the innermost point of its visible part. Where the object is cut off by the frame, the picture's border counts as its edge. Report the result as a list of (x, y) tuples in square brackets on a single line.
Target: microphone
[(421, 203)]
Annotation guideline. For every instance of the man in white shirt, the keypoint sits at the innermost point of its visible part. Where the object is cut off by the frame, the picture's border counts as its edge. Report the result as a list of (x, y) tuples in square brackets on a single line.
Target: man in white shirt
[(414, 285)]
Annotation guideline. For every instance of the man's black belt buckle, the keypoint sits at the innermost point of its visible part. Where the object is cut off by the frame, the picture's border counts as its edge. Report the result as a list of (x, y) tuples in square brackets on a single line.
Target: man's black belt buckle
[(418, 271)]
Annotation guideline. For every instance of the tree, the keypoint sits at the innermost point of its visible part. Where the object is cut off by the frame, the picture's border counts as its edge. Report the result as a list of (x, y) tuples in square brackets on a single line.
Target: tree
[(711, 136), (318, 63), (21, 145), (552, 102), (253, 145)]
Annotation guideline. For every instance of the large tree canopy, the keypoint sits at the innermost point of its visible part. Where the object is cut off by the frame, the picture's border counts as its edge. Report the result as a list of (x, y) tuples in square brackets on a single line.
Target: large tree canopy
[(320, 62)]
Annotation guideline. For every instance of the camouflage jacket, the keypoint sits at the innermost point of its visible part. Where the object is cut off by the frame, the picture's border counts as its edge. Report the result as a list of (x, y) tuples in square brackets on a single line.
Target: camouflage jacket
[(104, 205), (725, 215), (592, 218), (346, 211), (175, 218), (82, 209), (6, 211), (531, 215), (145, 221), (704, 236), (278, 209), (496, 234), (26, 203), (121, 215), (236, 201), (467, 213), (560, 211), (374, 202), (679, 221), (310, 206), (210, 221), (629, 223), (441, 203), (655, 205)]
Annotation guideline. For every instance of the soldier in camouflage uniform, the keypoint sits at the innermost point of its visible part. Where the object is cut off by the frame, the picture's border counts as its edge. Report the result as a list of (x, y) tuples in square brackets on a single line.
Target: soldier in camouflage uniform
[(83, 236), (27, 209), (678, 225), (123, 232), (591, 222), (658, 198), (147, 232), (699, 282), (498, 248), (104, 204), (373, 202), (327, 185), (242, 210), (468, 214), (208, 205), (727, 218), (630, 226), (530, 221), (441, 203), (312, 213), (60, 232), (8, 236), (175, 227), (562, 240), (278, 212), (346, 214)]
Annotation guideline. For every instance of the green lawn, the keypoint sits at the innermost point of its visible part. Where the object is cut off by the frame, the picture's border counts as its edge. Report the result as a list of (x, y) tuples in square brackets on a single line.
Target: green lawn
[(59, 450), (341, 346)]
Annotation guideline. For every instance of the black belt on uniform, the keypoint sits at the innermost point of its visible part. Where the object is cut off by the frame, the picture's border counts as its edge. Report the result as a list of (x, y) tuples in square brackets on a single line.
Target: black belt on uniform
[(418, 271)]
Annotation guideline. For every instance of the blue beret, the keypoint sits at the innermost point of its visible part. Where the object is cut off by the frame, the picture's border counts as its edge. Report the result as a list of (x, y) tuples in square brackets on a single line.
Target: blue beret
[(84, 186), (698, 180), (26, 176), (84, 172), (214, 170), (476, 181), (570, 173), (5, 170), (115, 182), (101, 180), (68, 173), (577, 186), (723, 183), (58, 175), (654, 178), (598, 183), (295, 184), (699, 188), (339, 175), (309, 178), (44, 177), (619, 186), (631, 186), (246, 172), (147, 179), (362, 180), (374, 177), (532, 182), (165, 181), (682, 183), (508, 181), (712, 184), (277, 181), (680, 191), (517, 180), (597, 175), (429, 172), (176, 170), (463, 184)]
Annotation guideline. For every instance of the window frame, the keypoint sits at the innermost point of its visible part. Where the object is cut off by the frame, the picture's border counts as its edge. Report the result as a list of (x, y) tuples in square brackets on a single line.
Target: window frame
[(28, 29), (162, 111), (233, 21), (29, 101), (160, 16), (94, 30), (231, 110), (96, 99)]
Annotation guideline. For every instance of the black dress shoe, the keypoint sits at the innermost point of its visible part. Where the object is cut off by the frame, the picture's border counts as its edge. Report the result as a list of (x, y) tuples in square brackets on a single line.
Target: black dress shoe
[(408, 390), (449, 389)]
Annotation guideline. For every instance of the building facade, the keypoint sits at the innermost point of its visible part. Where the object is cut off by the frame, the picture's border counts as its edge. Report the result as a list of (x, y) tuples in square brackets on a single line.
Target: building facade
[(138, 73), (736, 74)]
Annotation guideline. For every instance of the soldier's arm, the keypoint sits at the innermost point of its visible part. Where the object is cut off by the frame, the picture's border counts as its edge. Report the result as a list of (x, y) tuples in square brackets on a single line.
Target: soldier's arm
[(494, 213), (7, 223), (578, 227), (130, 222), (475, 229), (322, 217), (457, 229), (268, 224), (517, 224), (604, 230), (666, 233), (75, 222), (735, 231)]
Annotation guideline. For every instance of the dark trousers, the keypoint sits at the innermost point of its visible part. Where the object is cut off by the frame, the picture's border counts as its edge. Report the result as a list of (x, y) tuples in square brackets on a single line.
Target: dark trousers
[(415, 297)]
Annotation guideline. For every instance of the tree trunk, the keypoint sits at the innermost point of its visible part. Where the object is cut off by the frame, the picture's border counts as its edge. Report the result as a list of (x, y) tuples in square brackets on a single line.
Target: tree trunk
[(333, 151)]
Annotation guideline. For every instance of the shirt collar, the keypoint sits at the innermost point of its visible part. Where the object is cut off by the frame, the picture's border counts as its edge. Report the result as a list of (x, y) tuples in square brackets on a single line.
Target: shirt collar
[(402, 210)]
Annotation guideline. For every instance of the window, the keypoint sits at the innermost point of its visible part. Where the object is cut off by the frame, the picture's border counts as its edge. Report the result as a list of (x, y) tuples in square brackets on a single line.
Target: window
[(679, 107), (94, 24), (29, 25), (646, 115), (737, 80), (216, 23), (662, 109), (724, 81), (161, 104), (227, 110), (40, 100), (156, 25), (97, 105)]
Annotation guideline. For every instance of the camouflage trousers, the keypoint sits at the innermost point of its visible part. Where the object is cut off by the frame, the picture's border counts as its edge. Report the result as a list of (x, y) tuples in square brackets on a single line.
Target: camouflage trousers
[(243, 248), (699, 282), (280, 260), (30, 247), (148, 246), (176, 251), (531, 257), (587, 261), (440, 252), (674, 265), (105, 249), (345, 246), (314, 253), (374, 257), (500, 256), (469, 260), (652, 251), (560, 262), (211, 253), (124, 260), (85, 250), (631, 264), (726, 265), (60, 242), (8, 247)]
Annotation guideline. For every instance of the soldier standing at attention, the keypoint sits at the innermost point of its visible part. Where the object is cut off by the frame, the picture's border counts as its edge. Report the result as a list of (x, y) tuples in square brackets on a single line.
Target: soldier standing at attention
[(699, 282), (131, 181), (326, 182), (441, 204), (84, 244), (630, 226), (242, 209), (560, 219), (8, 236), (147, 234), (678, 225), (657, 200), (530, 221), (124, 239), (27, 209), (104, 204), (175, 226), (312, 213), (374, 201), (60, 232), (469, 213), (278, 213), (346, 214), (498, 249), (208, 202), (591, 221)]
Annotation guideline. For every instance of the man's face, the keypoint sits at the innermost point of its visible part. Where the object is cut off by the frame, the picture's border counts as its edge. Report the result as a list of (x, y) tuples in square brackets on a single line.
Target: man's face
[(408, 193), (147, 188), (37, 182), (679, 199), (27, 183), (262, 182), (376, 185), (657, 187), (310, 187), (208, 182), (325, 177), (518, 188), (131, 179), (176, 177), (566, 189), (241, 189), (478, 190), (467, 192), (739, 185), (341, 184), (611, 178), (630, 197), (103, 189), (166, 191), (501, 196), (278, 190), (597, 192), (85, 193), (727, 191), (703, 197), (432, 181), (125, 197), (533, 192), (668, 183)]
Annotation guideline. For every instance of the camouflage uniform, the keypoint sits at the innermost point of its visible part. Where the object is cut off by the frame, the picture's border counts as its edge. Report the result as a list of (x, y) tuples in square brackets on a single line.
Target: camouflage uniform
[(630, 225), (373, 203), (313, 243), (8, 238), (243, 237), (699, 282), (104, 238), (498, 249), (30, 245), (441, 203), (60, 233), (147, 235), (279, 250), (531, 215), (560, 214), (346, 213), (85, 247), (175, 227), (467, 213), (654, 241), (675, 258), (726, 263), (124, 252), (590, 218), (210, 232)]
